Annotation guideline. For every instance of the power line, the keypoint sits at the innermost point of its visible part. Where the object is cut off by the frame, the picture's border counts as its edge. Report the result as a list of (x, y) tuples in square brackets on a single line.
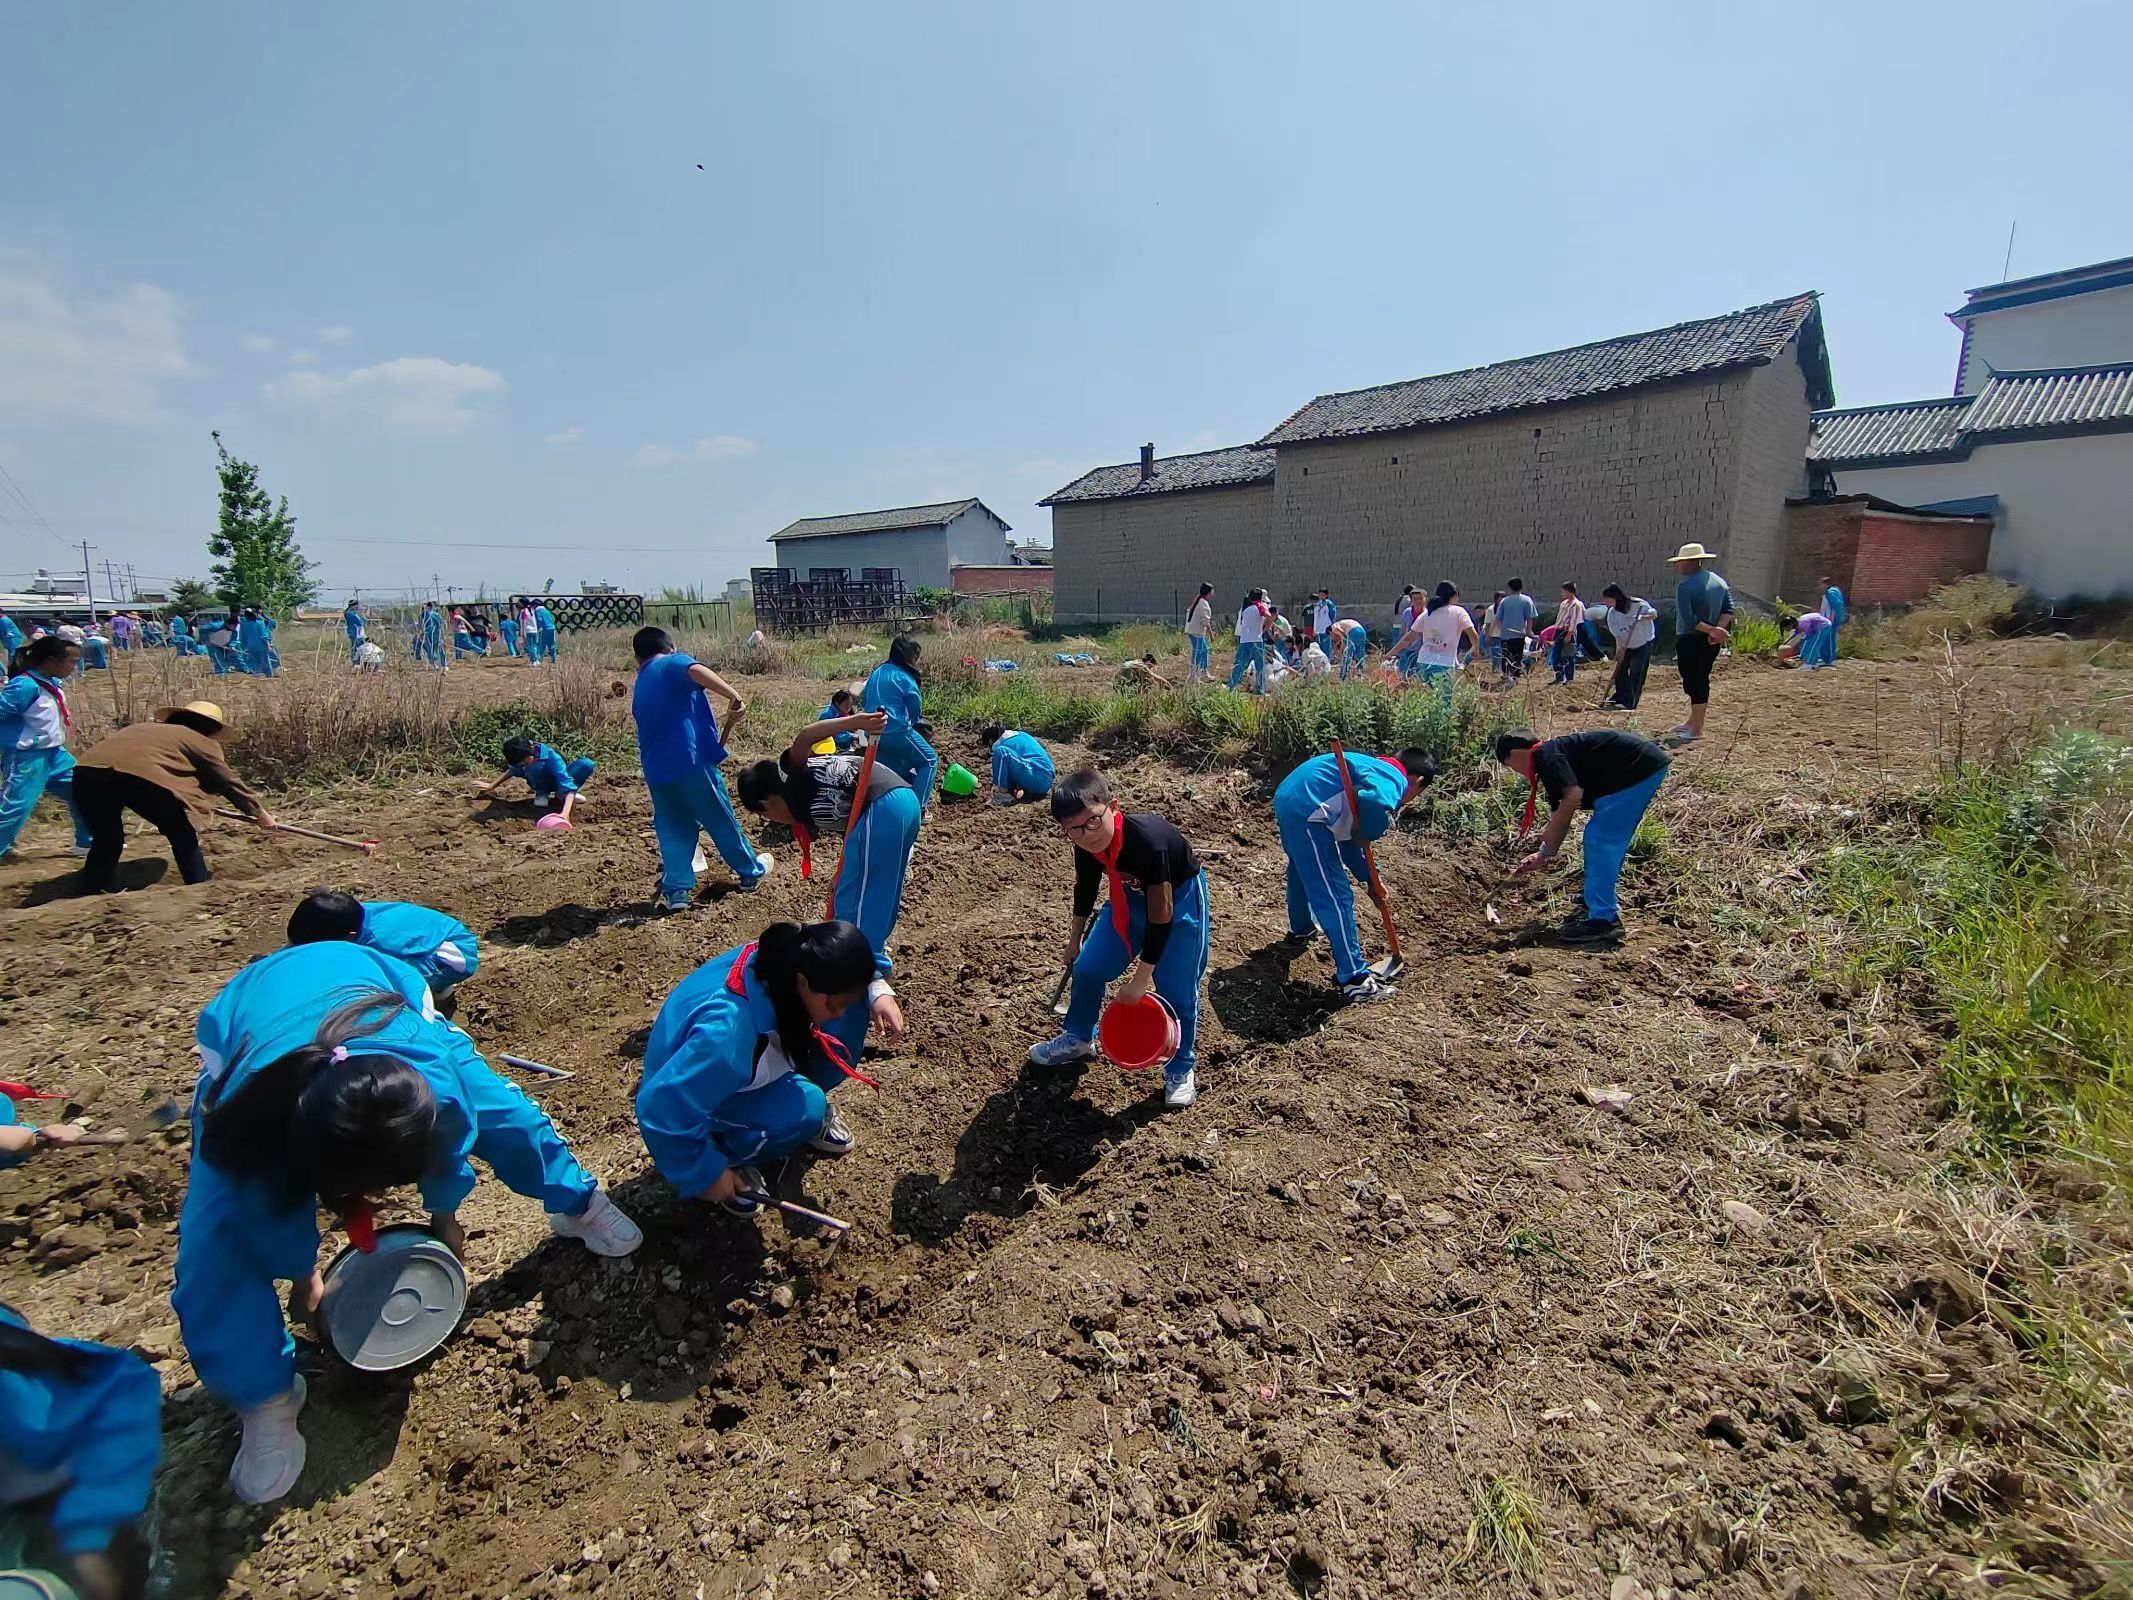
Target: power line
[(14, 491)]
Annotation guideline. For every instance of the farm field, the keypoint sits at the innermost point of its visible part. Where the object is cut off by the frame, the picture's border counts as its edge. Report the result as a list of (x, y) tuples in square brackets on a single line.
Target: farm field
[(1406, 1305)]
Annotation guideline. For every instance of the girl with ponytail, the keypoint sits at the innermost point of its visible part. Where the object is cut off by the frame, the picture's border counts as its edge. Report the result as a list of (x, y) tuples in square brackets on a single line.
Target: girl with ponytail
[(893, 687), (326, 1079), (737, 1059)]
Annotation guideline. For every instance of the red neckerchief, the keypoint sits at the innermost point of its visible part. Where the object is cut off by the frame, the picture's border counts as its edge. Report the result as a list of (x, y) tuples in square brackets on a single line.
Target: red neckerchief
[(805, 835), (1121, 916), (66, 717), (832, 1051), (1533, 784), (360, 1222), (22, 1091)]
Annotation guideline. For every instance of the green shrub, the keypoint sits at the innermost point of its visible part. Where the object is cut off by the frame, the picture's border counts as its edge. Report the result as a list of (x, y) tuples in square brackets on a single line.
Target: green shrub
[(1756, 638)]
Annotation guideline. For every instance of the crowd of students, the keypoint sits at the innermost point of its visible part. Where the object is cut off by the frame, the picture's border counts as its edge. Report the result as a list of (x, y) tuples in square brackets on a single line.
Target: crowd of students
[(1436, 636), (330, 1071)]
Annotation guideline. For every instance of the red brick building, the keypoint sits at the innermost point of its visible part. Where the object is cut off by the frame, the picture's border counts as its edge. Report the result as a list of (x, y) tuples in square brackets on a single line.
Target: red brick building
[(1879, 553)]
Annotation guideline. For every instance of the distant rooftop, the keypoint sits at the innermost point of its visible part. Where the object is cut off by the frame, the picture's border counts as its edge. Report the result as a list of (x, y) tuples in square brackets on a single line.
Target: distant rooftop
[(1753, 337), (1203, 469), (2053, 403), (933, 516), (2045, 286)]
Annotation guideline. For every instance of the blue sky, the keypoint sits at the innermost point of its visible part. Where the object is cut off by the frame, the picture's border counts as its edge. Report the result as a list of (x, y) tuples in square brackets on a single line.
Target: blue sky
[(452, 276)]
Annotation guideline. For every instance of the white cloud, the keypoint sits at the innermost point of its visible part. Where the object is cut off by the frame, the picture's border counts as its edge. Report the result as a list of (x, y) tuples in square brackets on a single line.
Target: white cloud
[(421, 397), (565, 438), (339, 333), (75, 356), (304, 358), (258, 343), (718, 447)]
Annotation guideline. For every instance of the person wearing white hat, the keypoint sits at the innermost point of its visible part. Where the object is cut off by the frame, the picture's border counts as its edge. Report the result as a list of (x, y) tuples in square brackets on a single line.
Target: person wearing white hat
[(165, 771), (1703, 622)]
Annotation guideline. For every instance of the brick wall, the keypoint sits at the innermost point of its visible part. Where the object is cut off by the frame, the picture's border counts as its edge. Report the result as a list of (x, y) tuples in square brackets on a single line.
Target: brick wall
[(1821, 540), (1000, 580), (1773, 467), (1902, 558), (1600, 491), (1878, 558), (1148, 557)]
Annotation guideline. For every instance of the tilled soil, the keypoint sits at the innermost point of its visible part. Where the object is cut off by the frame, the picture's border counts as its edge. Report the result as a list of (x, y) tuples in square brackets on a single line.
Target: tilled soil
[(1399, 1265)]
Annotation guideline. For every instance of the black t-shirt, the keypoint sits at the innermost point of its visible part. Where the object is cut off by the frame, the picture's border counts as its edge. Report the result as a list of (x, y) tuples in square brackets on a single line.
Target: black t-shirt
[(819, 789), (1602, 761), (1152, 852)]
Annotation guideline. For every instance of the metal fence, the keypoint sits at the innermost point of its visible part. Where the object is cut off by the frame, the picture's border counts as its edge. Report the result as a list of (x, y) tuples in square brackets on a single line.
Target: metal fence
[(828, 597), (576, 612)]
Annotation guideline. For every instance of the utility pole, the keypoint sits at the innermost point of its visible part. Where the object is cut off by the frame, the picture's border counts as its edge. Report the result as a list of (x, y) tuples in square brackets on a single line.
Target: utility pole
[(88, 577)]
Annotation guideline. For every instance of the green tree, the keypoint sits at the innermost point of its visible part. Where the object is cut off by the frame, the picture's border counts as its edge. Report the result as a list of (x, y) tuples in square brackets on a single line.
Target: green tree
[(257, 562), (189, 597)]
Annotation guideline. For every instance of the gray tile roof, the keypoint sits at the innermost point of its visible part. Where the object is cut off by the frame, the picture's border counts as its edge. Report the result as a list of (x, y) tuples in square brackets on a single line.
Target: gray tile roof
[(2012, 405), (1206, 469), (1917, 428), (1753, 337), (933, 516)]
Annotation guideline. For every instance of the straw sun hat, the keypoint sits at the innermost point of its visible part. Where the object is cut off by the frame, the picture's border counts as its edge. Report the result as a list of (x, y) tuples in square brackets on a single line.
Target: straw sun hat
[(206, 709)]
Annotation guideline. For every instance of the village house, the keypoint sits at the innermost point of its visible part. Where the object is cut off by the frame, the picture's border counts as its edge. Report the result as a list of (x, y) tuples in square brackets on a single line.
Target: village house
[(923, 543), (1594, 462), (2038, 435)]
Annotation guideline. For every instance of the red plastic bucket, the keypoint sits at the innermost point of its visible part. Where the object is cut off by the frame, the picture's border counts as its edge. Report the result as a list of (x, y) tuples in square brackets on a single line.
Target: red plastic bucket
[(1139, 1034)]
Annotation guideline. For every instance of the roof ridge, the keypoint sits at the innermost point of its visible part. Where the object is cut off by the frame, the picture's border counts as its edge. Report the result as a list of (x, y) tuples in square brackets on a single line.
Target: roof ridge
[(1898, 405), (883, 511), (1996, 373), (1544, 355), (1182, 455)]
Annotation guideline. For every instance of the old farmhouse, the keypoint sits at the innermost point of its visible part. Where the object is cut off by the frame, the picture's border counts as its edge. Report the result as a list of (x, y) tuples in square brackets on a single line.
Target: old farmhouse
[(1595, 462), (923, 543)]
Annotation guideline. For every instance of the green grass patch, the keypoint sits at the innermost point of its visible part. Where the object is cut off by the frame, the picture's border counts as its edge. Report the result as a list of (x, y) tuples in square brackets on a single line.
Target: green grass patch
[(2009, 898), (1756, 638)]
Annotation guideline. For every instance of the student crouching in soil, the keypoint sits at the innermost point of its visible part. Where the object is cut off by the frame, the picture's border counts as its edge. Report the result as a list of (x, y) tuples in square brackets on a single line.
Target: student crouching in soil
[(1613, 774)]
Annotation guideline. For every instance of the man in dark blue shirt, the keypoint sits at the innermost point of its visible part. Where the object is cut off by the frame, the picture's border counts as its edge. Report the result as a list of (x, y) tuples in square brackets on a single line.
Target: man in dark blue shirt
[(1703, 621)]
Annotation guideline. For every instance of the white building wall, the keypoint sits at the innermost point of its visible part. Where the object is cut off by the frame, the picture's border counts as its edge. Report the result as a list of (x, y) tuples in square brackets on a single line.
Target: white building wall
[(2066, 508), (2080, 330), (921, 554), (976, 538)]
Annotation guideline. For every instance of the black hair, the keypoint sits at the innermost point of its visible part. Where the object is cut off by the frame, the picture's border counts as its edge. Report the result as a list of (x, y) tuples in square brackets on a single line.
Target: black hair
[(1614, 592), (757, 782), (308, 1124), (48, 648), (1149, 657), (1256, 594), (1447, 592), (1515, 585), (196, 722), (834, 958), (34, 1356), (993, 735), (1516, 739), (1206, 589), (519, 748), (840, 694), (1410, 589), (903, 650), (646, 643), (1571, 587), (1419, 763), (1078, 792), (325, 914)]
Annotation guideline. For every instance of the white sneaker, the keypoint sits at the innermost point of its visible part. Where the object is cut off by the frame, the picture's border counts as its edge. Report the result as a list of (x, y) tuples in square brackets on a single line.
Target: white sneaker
[(605, 1229), (1179, 1093), (1367, 990), (1063, 1051), (271, 1457), (769, 864), (833, 1138)]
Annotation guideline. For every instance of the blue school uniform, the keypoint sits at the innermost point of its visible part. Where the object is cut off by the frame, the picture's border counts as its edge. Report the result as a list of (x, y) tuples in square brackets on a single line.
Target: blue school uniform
[(352, 621), (1106, 952), (508, 627), (34, 757), (96, 1436), (680, 751), (429, 639), (1020, 762), (904, 749), (1325, 845), (846, 742), (11, 638), (550, 777), (870, 896), (718, 1089), (235, 1239), (252, 639), (443, 949), (544, 619)]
